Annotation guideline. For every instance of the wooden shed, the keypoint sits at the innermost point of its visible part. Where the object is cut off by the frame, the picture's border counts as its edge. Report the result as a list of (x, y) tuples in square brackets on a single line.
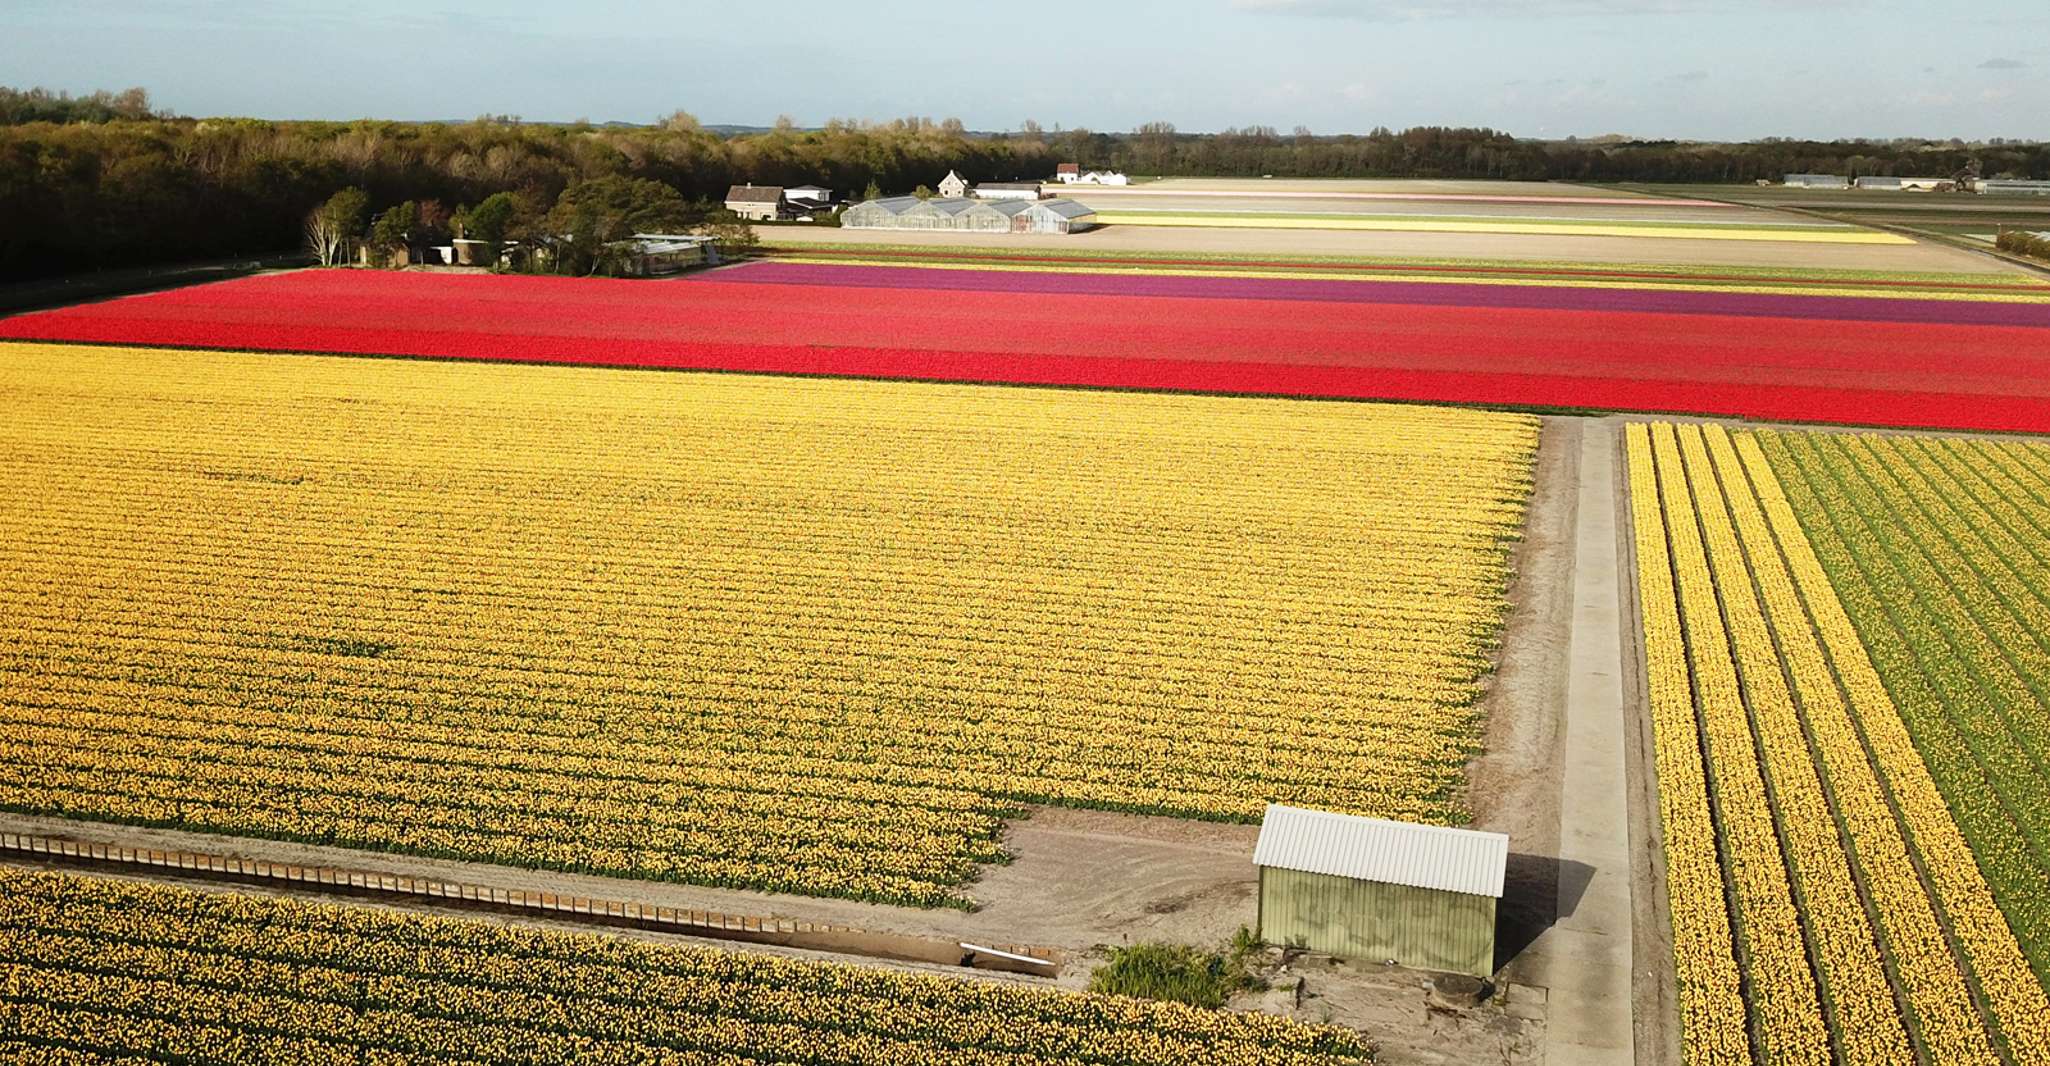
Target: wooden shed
[(1423, 896)]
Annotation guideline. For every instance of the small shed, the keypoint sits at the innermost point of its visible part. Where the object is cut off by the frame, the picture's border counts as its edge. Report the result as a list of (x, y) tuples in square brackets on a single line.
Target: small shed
[(1364, 888)]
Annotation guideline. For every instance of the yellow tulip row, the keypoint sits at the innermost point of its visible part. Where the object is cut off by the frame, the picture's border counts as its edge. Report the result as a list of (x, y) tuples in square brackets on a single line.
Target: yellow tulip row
[(1858, 1001), (1778, 685), (815, 636), (110, 968), (1781, 988), (1713, 1029), (1849, 722), (1971, 804)]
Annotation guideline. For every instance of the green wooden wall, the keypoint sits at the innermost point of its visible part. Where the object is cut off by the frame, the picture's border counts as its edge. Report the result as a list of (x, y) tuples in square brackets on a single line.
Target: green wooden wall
[(1417, 927)]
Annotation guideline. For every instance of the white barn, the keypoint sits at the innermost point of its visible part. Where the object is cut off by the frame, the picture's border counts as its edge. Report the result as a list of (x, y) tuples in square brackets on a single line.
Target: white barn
[(1007, 190)]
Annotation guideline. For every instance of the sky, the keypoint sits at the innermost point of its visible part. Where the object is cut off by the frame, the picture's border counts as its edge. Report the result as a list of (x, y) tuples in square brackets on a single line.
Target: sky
[(1691, 69)]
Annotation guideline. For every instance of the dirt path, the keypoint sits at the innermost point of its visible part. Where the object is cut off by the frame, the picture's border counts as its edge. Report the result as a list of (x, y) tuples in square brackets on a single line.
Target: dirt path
[(1584, 959), (1514, 786), (1081, 878)]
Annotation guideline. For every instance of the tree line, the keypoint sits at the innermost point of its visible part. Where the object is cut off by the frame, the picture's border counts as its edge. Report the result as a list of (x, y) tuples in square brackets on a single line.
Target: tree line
[(103, 181), (583, 232)]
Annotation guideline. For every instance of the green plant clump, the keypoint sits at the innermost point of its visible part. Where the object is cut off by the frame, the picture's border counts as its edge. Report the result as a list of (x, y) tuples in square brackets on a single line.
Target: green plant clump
[(1179, 973)]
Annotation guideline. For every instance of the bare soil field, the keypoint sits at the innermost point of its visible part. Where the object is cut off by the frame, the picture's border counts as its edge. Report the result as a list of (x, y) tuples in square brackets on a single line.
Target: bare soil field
[(1628, 211), (1385, 186), (1173, 240)]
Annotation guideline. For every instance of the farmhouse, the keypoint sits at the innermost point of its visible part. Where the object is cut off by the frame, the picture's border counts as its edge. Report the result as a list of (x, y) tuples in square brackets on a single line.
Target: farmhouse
[(975, 216), (1007, 190), (756, 203), (953, 185), (1363, 888), (1067, 173), (1817, 181)]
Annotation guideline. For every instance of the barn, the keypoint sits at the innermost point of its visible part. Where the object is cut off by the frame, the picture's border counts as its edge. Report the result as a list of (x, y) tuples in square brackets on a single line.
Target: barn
[(1423, 896), (1007, 190)]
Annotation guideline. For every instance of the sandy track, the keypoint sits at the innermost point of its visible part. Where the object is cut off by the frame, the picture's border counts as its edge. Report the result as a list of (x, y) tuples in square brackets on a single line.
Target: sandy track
[(1920, 256), (1079, 879)]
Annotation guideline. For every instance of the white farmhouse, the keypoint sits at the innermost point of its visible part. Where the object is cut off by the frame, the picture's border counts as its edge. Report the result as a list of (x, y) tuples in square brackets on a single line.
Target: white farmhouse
[(953, 185), (756, 203)]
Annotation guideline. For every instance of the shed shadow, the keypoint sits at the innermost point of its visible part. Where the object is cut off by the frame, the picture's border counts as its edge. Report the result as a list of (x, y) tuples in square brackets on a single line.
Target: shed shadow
[(1537, 891)]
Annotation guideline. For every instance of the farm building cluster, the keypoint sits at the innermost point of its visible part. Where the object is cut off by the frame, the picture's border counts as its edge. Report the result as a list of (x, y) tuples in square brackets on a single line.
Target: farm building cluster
[(777, 203), (1984, 186), (981, 207), (970, 214)]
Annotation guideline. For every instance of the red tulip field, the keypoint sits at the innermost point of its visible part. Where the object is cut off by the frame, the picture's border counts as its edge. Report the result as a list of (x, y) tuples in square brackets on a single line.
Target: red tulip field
[(1962, 364)]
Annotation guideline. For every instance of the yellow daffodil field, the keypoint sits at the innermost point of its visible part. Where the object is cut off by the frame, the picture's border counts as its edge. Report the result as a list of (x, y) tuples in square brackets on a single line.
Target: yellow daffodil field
[(97, 970), (1843, 639), (806, 635)]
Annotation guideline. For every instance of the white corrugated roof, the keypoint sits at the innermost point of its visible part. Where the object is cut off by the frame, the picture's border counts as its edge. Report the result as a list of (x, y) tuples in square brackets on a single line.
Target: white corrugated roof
[(1370, 849)]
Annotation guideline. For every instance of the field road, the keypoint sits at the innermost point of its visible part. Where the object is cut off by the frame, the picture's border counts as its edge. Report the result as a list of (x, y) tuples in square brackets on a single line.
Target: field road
[(1585, 958)]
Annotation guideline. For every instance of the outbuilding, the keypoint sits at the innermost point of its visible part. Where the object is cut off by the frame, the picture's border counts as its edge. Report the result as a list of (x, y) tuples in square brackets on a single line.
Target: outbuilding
[(1008, 190), (2012, 187), (1879, 181), (1817, 181), (1422, 896)]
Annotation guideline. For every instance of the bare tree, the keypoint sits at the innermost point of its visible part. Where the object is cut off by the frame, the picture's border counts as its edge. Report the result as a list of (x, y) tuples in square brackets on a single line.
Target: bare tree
[(323, 237)]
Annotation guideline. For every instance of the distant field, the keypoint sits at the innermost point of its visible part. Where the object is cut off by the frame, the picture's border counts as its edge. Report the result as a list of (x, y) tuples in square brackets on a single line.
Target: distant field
[(1919, 257), (1840, 636), (814, 636), (1067, 258), (1957, 215), (1384, 186), (1650, 228)]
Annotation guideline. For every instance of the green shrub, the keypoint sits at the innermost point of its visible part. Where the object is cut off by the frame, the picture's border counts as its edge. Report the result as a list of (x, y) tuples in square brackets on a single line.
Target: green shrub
[(1178, 972)]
